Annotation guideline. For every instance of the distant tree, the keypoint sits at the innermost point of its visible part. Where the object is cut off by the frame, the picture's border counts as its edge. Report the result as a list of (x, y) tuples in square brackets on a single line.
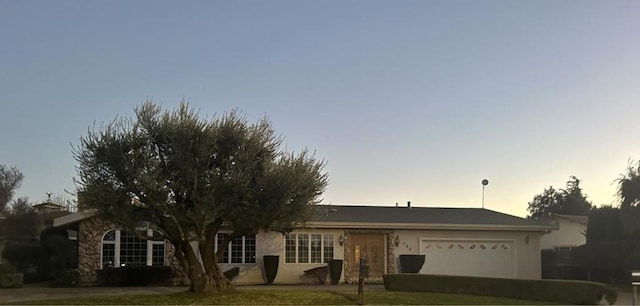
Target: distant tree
[(191, 177), (21, 206), (605, 225), (544, 204), (629, 186), (10, 180), (568, 201)]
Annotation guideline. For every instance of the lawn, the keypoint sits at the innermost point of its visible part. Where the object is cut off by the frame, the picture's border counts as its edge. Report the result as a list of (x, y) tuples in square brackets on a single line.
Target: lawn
[(289, 297)]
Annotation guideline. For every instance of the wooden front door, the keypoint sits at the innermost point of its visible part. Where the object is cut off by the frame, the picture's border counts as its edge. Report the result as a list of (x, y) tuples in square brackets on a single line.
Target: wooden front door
[(371, 248)]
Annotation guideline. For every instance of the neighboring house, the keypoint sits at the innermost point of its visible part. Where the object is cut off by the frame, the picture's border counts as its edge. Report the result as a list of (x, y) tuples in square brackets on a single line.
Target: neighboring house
[(456, 241), (570, 234)]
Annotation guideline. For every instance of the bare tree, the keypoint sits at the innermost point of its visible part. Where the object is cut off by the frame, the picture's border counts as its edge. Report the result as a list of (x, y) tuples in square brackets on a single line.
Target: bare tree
[(10, 180)]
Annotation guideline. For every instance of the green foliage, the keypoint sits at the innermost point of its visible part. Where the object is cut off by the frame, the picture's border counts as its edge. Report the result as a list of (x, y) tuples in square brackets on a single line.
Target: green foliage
[(15, 280), (568, 201), (629, 186), (7, 268), (560, 291), (605, 224), (10, 180), (134, 276), (23, 256), (59, 254), (189, 177), (609, 261), (68, 278)]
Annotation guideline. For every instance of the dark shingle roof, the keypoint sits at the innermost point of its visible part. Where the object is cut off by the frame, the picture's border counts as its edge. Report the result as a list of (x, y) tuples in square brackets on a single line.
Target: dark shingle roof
[(419, 215)]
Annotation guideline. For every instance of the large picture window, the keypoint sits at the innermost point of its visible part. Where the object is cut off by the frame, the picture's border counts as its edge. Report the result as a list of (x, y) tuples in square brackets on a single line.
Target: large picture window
[(121, 248), (308, 248), (240, 250)]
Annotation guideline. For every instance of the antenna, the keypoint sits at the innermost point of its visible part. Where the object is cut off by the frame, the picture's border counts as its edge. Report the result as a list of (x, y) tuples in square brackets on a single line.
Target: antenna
[(484, 182)]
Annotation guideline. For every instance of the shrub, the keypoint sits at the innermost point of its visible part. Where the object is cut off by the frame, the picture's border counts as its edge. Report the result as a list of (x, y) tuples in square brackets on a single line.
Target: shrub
[(134, 276), (559, 291), (6, 268), (68, 279), (609, 261), (11, 280), (23, 256)]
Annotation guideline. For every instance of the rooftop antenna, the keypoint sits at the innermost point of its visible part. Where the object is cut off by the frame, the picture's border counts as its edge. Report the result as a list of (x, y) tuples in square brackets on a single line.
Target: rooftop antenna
[(49, 196), (484, 182)]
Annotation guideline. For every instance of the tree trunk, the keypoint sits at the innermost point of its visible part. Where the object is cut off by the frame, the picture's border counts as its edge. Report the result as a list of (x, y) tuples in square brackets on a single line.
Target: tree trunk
[(209, 283), (205, 277)]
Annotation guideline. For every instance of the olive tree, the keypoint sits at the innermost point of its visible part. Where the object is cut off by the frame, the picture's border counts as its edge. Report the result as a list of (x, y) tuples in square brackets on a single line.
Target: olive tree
[(192, 177)]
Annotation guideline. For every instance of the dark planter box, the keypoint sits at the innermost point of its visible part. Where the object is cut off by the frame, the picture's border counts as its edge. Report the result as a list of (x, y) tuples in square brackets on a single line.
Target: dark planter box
[(410, 263), (271, 267), (335, 269)]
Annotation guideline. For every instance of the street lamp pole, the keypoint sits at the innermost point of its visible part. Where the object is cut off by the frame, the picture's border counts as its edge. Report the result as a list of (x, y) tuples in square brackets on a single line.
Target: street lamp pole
[(484, 182)]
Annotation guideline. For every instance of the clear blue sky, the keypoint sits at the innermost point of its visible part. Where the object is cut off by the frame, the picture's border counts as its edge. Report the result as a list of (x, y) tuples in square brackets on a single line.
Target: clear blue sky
[(406, 100)]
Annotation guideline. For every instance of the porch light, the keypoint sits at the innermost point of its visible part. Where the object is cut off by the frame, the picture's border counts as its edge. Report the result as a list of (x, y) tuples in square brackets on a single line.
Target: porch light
[(396, 240), (341, 240)]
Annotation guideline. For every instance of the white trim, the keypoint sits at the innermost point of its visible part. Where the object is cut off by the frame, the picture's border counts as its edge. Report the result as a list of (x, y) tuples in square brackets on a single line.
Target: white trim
[(244, 250), (322, 247), (117, 247), (73, 218), (439, 226)]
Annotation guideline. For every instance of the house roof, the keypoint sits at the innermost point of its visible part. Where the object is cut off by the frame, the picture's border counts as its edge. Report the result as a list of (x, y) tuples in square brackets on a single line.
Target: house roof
[(352, 216), (389, 217), (575, 218)]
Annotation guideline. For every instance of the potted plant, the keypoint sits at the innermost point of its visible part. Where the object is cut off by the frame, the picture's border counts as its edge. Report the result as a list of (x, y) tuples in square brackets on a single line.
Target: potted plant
[(411, 263), (271, 267), (335, 269)]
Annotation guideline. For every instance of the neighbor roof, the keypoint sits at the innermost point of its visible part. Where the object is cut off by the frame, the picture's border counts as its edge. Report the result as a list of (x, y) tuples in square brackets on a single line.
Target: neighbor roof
[(575, 218), (420, 217)]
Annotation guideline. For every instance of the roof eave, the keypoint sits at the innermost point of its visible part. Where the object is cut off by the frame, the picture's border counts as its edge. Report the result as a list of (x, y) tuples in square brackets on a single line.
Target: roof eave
[(434, 226), (73, 218)]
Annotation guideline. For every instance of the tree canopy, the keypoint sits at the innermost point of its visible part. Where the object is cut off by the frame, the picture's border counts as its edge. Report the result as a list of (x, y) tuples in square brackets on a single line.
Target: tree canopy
[(568, 201), (10, 180), (192, 177), (629, 186)]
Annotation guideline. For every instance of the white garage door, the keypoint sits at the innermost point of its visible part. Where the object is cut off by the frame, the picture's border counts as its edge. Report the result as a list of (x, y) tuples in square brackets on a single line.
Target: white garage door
[(468, 257)]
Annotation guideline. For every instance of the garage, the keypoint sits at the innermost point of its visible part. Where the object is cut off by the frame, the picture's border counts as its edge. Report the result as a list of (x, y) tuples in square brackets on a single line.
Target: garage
[(488, 258)]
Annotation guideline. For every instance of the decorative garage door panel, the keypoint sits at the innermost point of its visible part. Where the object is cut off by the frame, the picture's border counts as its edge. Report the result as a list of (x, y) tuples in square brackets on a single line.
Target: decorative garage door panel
[(468, 257)]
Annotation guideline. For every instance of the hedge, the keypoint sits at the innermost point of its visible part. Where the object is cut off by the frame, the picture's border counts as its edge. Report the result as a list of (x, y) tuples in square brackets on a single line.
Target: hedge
[(134, 276), (559, 291)]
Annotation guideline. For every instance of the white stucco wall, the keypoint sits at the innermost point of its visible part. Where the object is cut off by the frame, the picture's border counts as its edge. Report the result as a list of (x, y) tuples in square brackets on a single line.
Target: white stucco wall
[(272, 243), (526, 252), (569, 234)]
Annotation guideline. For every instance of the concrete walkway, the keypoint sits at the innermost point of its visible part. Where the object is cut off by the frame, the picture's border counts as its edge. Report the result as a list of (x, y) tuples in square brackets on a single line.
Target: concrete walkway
[(33, 292)]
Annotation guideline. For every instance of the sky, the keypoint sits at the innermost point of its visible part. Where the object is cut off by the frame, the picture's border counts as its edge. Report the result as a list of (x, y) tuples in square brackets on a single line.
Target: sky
[(405, 100)]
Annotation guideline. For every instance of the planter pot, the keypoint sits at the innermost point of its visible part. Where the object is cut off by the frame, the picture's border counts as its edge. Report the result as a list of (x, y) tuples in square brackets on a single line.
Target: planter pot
[(335, 269), (411, 263), (271, 267)]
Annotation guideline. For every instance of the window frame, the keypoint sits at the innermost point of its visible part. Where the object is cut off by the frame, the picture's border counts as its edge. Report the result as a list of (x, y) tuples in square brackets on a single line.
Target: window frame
[(117, 243), (327, 246), (243, 243)]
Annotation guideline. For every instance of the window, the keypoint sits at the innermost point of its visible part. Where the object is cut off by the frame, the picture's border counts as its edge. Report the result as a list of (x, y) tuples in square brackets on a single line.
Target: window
[(242, 249), (124, 249), (308, 248)]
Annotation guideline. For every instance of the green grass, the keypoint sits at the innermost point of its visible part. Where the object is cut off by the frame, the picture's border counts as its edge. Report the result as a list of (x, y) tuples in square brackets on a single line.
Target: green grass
[(289, 297)]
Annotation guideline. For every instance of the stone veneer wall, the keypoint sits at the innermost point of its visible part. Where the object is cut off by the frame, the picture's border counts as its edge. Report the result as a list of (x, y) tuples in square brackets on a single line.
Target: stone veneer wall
[(90, 232), (390, 255)]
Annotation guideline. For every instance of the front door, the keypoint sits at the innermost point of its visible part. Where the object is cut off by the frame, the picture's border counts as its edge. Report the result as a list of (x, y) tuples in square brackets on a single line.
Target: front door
[(371, 248)]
